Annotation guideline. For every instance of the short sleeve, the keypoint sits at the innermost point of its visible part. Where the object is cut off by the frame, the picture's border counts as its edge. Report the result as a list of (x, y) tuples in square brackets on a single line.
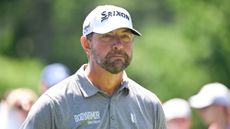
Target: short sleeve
[(40, 115)]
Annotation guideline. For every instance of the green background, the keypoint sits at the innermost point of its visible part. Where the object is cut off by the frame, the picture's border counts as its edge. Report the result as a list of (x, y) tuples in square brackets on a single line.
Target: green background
[(185, 44)]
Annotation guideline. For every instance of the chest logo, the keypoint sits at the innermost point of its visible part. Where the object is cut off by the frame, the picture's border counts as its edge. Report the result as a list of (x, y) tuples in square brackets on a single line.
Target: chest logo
[(90, 117)]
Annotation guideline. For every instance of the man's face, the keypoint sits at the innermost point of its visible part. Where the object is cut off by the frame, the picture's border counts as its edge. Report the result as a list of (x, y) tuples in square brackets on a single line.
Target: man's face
[(179, 123), (210, 114), (112, 51)]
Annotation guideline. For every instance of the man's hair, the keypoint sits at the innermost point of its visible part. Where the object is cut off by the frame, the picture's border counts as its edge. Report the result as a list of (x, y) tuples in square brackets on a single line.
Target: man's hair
[(89, 36)]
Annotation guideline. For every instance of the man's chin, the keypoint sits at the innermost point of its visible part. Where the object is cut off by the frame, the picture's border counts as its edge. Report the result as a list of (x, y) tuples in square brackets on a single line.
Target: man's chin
[(116, 69)]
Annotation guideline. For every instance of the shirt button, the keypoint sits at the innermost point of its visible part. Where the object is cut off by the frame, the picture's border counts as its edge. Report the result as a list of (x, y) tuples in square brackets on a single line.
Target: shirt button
[(112, 117)]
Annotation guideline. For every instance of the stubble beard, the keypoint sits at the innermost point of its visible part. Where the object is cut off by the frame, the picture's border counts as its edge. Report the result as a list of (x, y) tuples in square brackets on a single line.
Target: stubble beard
[(112, 65)]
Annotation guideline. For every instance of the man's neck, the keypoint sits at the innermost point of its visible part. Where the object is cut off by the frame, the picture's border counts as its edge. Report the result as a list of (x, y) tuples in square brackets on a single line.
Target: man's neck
[(104, 80)]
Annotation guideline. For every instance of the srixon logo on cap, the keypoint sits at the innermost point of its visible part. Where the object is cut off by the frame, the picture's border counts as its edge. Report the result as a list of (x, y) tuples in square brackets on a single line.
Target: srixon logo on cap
[(107, 14)]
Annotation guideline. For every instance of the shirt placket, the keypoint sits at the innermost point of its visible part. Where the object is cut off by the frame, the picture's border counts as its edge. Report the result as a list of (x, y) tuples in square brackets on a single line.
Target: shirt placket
[(112, 113)]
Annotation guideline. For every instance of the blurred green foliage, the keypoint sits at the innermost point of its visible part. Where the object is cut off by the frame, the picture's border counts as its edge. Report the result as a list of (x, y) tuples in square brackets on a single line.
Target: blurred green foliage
[(19, 73), (185, 44)]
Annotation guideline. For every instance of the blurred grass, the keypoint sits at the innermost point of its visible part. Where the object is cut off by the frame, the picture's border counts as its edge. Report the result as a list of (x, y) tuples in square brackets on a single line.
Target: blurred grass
[(164, 63), (15, 72)]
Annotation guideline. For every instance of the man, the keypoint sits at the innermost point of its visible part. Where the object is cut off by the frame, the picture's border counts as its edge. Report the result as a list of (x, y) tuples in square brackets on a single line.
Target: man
[(213, 103), (100, 95), (177, 113)]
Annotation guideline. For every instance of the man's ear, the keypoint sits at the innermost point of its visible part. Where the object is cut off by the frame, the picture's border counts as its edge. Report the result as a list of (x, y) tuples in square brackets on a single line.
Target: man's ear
[(85, 44)]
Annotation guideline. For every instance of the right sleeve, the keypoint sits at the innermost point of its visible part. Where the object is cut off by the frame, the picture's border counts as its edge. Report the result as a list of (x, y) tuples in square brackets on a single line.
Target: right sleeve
[(40, 115)]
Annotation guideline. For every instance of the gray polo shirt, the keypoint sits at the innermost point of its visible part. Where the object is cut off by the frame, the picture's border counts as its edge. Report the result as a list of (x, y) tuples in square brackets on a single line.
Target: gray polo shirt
[(76, 104)]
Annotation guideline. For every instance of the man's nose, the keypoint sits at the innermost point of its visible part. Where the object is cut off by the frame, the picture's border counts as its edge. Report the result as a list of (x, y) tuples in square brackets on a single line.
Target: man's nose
[(117, 45)]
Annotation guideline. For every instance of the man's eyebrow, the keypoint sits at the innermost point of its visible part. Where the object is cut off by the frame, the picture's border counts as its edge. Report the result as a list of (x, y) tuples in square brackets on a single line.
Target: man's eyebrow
[(126, 30)]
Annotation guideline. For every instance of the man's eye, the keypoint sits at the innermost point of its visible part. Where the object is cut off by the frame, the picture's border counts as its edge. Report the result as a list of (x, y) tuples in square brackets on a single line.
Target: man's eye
[(107, 36), (126, 37)]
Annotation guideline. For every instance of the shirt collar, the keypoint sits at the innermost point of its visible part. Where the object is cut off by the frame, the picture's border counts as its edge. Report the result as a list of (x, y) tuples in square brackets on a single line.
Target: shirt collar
[(88, 89), (124, 84), (85, 84)]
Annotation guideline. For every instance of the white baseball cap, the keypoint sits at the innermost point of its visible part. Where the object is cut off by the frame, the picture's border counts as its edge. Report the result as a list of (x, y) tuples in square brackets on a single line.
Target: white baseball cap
[(176, 108), (106, 18), (212, 93)]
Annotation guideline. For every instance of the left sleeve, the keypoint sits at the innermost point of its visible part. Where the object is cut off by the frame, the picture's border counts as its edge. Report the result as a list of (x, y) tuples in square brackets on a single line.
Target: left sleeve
[(160, 117)]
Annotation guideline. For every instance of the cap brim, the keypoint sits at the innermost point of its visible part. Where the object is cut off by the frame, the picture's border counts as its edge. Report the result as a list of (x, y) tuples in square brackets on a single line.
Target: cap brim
[(199, 102), (135, 32), (109, 29)]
